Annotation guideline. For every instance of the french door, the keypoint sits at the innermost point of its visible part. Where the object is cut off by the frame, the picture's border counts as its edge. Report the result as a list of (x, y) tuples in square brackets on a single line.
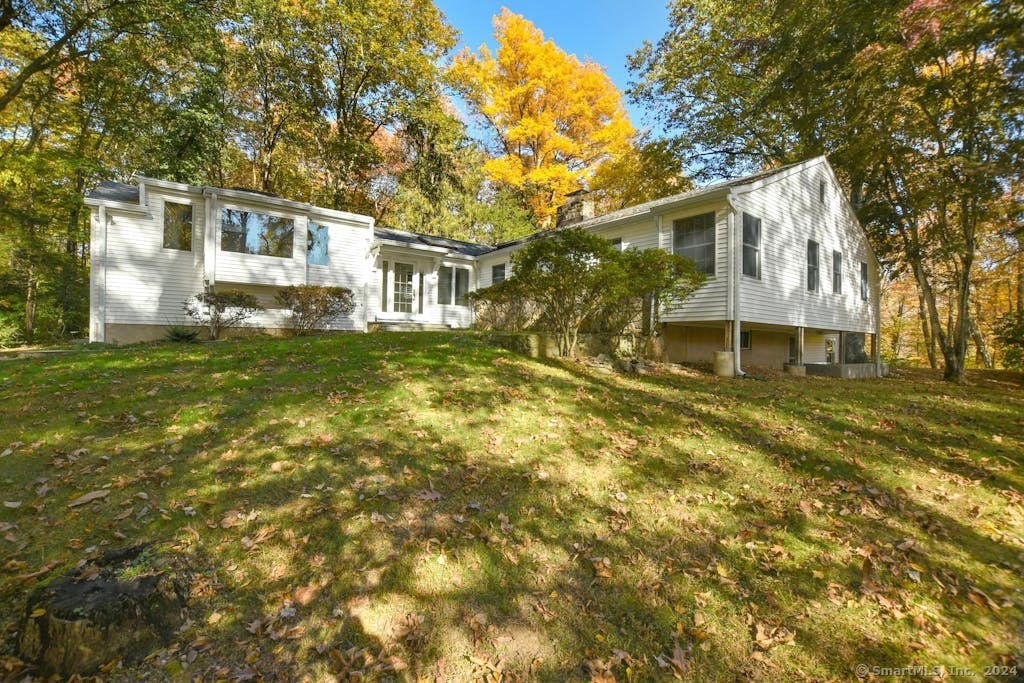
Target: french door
[(404, 288)]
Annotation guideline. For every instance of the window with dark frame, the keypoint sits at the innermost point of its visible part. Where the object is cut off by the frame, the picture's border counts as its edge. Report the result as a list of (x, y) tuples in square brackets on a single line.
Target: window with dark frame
[(751, 246), (694, 238), (837, 272), (251, 232), (864, 281), (745, 343), (177, 226), (821, 191), (497, 273), (316, 244), (812, 266)]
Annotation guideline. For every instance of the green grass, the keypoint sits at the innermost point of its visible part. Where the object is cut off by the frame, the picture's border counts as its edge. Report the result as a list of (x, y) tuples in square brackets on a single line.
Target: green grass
[(426, 505)]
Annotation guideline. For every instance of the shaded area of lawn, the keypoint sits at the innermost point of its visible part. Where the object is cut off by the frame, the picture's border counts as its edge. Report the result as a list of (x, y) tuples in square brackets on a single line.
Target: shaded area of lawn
[(423, 504)]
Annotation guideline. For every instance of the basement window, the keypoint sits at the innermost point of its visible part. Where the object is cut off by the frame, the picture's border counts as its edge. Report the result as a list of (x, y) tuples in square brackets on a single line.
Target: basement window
[(745, 341), (177, 226)]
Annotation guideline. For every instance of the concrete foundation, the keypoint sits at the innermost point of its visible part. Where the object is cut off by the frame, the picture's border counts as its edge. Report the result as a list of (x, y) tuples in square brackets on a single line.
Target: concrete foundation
[(796, 370), (847, 370)]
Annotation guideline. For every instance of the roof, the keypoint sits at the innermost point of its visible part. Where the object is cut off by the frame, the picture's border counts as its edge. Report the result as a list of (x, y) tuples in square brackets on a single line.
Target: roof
[(415, 239), (646, 207), (112, 191), (120, 192)]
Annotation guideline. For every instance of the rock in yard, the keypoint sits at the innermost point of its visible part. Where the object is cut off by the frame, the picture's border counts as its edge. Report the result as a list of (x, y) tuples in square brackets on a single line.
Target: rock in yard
[(124, 604)]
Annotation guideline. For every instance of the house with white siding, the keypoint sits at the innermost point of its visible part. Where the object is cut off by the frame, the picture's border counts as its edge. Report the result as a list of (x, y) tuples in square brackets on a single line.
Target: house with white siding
[(791, 278)]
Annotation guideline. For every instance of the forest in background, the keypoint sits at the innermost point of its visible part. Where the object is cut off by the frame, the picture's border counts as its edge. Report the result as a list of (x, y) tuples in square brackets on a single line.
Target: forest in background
[(349, 105)]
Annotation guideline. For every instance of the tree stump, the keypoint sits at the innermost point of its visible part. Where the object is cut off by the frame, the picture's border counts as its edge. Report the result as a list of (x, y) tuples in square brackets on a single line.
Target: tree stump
[(124, 604)]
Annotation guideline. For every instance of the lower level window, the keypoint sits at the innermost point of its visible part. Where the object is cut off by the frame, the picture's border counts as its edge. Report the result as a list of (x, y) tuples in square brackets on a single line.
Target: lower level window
[(745, 341)]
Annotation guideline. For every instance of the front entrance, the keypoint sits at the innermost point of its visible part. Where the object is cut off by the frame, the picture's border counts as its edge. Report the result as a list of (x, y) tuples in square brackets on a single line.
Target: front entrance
[(405, 290), (402, 290)]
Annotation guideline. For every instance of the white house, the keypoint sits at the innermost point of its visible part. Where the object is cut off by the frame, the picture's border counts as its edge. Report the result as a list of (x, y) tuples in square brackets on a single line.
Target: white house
[(791, 276)]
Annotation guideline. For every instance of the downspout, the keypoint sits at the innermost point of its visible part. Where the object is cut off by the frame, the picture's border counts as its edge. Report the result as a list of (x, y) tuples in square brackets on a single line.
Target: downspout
[(734, 284)]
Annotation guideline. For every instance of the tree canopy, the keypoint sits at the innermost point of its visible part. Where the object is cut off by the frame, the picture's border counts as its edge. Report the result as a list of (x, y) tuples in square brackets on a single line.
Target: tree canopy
[(555, 119), (918, 105)]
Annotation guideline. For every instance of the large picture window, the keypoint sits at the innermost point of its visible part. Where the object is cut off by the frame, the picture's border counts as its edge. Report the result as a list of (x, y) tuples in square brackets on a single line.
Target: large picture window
[(177, 226), (694, 238), (316, 244), (751, 246), (250, 232), (813, 269), (452, 286)]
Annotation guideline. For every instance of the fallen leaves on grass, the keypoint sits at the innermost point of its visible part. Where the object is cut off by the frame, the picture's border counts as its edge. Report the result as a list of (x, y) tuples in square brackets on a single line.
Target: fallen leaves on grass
[(86, 498)]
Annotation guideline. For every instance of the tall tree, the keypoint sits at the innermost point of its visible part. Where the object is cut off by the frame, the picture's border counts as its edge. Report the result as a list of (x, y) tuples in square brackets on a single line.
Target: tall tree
[(555, 119), (918, 105)]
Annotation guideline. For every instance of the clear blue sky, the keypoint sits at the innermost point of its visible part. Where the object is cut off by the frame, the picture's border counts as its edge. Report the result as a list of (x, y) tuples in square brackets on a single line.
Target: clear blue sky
[(605, 31)]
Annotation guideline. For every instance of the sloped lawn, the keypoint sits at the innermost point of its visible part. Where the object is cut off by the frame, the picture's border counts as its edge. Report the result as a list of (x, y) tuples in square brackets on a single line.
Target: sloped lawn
[(407, 506)]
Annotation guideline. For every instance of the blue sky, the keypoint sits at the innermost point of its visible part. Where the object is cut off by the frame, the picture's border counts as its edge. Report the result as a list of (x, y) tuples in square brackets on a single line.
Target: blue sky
[(605, 31)]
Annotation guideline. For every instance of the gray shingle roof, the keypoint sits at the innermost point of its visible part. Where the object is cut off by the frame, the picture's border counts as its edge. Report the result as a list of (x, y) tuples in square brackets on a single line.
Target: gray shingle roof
[(419, 239), (115, 192)]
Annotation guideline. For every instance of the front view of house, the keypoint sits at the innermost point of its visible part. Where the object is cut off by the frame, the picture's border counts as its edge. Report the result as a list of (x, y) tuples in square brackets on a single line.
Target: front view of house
[(791, 277)]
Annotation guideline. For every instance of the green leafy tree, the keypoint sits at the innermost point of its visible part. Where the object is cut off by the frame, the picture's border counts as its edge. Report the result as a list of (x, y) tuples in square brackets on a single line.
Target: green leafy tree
[(572, 277), (1010, 338)]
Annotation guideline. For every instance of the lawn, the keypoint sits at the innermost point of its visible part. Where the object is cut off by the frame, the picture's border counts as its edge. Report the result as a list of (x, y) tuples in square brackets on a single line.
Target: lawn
[(423, 505)]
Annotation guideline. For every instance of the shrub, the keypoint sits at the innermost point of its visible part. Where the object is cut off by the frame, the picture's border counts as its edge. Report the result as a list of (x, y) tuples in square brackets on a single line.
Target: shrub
[(1010, 338), (311, 306), (574, 280), (181, 334), (218, 310)]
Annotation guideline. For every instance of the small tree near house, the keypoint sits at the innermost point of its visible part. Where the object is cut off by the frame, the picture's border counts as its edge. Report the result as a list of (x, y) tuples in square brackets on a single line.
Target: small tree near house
[(218, 310), (312, 305), (575, 277), (651, 280)]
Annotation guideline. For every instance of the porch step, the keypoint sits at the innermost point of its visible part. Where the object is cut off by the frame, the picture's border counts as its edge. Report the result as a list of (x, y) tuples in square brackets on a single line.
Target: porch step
[(386, 326)]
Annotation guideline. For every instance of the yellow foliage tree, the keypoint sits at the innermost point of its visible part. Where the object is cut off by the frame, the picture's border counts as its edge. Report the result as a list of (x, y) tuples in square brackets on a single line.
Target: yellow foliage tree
[(556, 119)]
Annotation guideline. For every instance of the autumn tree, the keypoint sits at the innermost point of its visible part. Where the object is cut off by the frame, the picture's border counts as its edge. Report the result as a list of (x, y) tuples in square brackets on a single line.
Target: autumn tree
[(917, 105), (554, 119)]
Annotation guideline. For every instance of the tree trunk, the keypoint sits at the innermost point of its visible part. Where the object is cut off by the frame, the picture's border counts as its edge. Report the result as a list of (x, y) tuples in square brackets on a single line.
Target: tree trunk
[(929, 339), (979, 344), (30, 306)]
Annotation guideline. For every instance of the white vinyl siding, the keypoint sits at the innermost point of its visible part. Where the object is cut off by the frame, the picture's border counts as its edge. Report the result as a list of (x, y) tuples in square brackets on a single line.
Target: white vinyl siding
[(781, 296), (145, 283)]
